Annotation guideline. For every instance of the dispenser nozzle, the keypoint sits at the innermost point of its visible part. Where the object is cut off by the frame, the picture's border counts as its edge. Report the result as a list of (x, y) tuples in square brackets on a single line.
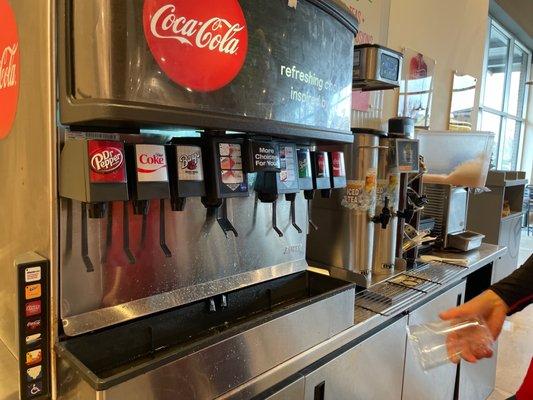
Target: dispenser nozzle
[(385, 216)]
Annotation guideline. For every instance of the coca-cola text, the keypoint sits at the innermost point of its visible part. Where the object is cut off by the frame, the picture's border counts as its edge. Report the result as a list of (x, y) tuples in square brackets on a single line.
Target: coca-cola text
[(213, 34), (8, 68)]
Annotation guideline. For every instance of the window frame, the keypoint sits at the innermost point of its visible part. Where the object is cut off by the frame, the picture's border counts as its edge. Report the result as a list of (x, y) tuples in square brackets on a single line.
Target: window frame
[(520, 118)]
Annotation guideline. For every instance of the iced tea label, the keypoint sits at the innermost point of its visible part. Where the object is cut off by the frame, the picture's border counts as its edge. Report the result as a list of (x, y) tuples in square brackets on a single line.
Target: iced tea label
[(106, 161), (200, 45), (190, 165), (151, 163), (9, 68)]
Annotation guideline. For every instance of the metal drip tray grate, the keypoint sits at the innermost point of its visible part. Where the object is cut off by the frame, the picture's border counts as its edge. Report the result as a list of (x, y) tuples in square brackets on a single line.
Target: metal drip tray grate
[(388, 296)]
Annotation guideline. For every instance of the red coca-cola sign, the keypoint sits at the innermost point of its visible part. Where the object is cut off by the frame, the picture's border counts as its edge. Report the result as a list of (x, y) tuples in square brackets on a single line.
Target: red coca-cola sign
[(201, 45), (9, 68), (106, 161)]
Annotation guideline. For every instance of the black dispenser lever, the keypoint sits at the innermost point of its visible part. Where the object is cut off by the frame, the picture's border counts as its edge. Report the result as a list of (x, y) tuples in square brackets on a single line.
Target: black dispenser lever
[(223, 221), (292, 198), (162, 233), (126, 234), (84, 240)]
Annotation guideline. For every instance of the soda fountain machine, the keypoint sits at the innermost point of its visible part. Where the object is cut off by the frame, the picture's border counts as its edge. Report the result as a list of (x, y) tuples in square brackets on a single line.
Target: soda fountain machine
[(157, 258)]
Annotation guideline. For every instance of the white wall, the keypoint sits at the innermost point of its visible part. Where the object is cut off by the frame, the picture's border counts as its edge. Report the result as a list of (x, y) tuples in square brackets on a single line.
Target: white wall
[(452, 32)]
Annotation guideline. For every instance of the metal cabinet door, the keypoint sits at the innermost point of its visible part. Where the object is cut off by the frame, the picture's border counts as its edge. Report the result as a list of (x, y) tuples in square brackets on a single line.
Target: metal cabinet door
[(477, 381), (439, 383), (372, 370)]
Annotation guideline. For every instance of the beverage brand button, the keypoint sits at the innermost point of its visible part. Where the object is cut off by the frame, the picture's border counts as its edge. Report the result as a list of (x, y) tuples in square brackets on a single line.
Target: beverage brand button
[(33, 325), (151, 163), (34, 357), (200, 45), (190, 165), (34, 373), (106, 161), (33, 339), (32, 274), (33, 308), (32, 291)]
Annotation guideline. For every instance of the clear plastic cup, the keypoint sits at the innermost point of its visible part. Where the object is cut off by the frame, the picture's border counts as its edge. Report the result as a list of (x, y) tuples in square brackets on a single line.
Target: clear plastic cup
[(442, 342)]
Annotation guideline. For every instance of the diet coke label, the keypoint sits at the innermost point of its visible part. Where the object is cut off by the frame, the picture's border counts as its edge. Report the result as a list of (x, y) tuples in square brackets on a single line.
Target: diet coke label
[(201, 45), (106, 161), (9, 68), (151, 163), (190, 166)]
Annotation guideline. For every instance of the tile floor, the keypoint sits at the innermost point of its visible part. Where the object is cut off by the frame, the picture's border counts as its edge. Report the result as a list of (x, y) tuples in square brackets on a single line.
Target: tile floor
[(515, 342)]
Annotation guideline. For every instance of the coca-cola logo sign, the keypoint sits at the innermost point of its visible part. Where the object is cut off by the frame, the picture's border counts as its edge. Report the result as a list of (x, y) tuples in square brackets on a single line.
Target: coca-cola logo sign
[(9, 68), (200, 45), (106, 160)]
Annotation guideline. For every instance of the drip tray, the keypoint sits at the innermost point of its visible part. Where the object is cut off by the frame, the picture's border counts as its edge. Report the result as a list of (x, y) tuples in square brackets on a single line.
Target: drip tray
[(281, 318)]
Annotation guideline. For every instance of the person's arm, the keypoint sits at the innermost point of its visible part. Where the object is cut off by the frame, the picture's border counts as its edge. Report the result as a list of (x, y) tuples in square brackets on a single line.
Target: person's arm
[(517, 289), (509, 295)]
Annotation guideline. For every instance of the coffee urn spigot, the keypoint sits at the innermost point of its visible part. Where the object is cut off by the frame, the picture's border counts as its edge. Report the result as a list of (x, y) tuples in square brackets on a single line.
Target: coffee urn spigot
[(93, 172), (385, 216), (225, 175)]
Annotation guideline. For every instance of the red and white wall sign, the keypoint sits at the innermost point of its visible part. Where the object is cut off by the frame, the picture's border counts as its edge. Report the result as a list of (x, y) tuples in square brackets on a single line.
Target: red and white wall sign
[(9, 68), (201, 45)]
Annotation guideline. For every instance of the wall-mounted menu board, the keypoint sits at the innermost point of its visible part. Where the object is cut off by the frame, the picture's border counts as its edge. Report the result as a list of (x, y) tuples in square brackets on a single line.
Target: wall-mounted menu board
[(245, 65)]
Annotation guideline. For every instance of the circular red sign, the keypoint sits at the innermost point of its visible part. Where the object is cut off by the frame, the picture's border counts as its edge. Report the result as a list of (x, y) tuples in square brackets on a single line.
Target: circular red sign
[(9, 68), (200, 45)]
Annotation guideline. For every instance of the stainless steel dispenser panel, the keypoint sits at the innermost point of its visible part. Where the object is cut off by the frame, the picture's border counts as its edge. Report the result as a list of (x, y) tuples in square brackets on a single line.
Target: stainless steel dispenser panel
[(388, 186), (345, 235), (212, 371), (296, 78), (204, 261)]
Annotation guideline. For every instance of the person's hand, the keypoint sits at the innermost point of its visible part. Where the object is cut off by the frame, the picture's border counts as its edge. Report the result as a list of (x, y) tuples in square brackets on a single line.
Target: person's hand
[(488, 306)]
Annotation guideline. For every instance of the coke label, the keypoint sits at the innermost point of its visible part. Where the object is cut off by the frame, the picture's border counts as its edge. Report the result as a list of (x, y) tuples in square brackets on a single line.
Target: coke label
[(200, 45), (151, 163), (106, 161)]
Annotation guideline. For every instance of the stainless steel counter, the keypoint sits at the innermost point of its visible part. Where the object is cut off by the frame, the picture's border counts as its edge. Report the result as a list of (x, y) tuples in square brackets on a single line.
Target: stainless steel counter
[(370, 323)]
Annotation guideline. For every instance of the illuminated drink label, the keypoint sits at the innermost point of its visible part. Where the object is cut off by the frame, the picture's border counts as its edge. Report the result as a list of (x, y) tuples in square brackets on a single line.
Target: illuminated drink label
[(106, 161), (190, 164), (151, 163)]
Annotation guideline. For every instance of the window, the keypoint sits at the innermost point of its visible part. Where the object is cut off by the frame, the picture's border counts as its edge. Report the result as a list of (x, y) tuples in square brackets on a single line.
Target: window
[(502, 110)]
